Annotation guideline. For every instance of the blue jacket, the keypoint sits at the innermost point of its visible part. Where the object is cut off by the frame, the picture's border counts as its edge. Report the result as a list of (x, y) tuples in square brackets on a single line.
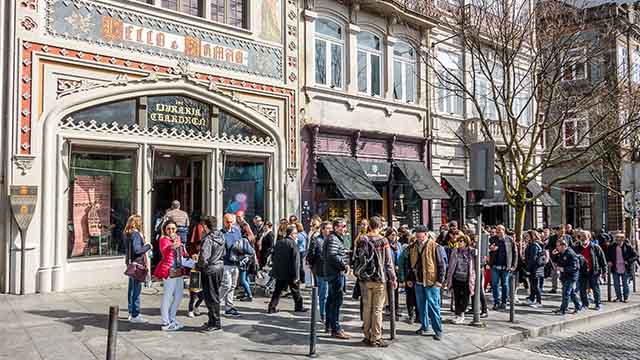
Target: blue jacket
[(570, 263), (231, 238), (302, 243), (136, 247)]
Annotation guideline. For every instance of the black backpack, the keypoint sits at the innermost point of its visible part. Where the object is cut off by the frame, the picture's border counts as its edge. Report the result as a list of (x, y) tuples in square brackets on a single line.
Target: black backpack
[(365, 263)]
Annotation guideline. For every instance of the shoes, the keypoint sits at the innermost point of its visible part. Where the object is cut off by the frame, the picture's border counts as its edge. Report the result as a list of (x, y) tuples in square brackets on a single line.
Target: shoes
[(598, 308), (191, 314), (529, 302), (559, 312), (503, 306), (340, 335), (129, 318), (232, 312), (535, 305), (208, 329), (271, 311), (484, 315), (458, 320), (137, 320), (366, 341), (301, 310), (380, 343), (420, 331), (322, 319), (246, 299), (437, 337), (578, 310), (172, 327), (553, 291), (327, 329), (196, 312), (495, 307), (178, 325)]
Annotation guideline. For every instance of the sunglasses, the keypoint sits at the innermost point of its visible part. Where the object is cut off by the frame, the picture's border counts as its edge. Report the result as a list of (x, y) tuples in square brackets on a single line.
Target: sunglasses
[(171, 228)]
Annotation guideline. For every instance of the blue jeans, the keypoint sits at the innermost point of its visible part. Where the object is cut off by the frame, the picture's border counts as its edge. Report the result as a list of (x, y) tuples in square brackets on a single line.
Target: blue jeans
[(501, 276), (428, 299), (133, 297), (244, 281), (322, 294), (569, 292), (623, 278), (589, 281), (334, 302)]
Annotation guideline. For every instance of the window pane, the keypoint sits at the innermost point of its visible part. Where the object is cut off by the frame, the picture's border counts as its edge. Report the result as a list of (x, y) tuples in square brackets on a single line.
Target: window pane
[(170, 4), (321, 62), (230, 125), (217, 10), (121, 112), (362, 71), (410, 90), (569, 133), (375, 75), (368, 40), (244, 185), (404, 50), (328, 28), (100, 202), (236, 13), (336, 65), (397, 80), (191, 7)]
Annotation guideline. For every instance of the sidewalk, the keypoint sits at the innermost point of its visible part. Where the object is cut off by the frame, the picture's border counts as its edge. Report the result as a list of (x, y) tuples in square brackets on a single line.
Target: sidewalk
[(73, 326)]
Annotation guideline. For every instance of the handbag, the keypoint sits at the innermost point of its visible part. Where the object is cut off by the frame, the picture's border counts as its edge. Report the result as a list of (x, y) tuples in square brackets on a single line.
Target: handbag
[(135, 270)]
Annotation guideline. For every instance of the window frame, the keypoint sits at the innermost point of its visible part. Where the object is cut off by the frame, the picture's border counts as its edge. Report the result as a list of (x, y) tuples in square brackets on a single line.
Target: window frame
[(575, 65), (635, 64), (451, 98), (404, 62), (201, 7), (203, 14), (576, 120), (370, 53), (329, 41)]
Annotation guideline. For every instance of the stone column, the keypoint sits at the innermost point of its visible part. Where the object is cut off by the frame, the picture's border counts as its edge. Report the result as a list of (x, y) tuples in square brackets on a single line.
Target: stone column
[(388, 74), (352, 59), (309, 62)]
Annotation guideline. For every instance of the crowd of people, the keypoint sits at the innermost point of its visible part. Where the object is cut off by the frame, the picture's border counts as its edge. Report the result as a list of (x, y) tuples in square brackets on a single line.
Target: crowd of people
[(383, 261)]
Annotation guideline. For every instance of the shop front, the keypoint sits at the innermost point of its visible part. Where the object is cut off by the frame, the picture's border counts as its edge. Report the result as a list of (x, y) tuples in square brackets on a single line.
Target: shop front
[(358, 175)]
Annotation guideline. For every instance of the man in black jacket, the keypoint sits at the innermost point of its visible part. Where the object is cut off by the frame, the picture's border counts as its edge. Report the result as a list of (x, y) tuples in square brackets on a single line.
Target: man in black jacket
[(286, 270), (334, 263), (503, 258), (211, 265), (536, 259), (596, 265), (559, 233), (569, 267)]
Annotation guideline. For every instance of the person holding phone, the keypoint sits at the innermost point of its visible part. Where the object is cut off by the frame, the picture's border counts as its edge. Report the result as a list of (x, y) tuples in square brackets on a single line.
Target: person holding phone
[(170, 271)]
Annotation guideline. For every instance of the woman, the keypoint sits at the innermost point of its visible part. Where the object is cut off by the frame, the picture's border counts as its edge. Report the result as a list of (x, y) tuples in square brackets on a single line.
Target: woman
[(282, 228), (364, 228), (170, 271), (302, 248), (265, 244), (392, 237), (461, 276), (313, 258), (247, 266), (535, 261), (137, 248)]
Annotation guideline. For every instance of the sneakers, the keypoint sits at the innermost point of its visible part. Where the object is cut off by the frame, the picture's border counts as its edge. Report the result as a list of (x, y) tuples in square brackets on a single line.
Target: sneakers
[(437, 337), (232, 312), (535, 305), (178, 325), (420, 331), (458, 320), (530, 302), (380, 343), (484, 315), (209, 328), (196, 312), (598, 308), (246, 299), (191, 314), (137, 320), (174, 326)]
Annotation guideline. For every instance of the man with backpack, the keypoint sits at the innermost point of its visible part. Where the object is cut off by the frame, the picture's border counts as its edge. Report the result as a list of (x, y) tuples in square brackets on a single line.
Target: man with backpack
[(211, 265), (335, 268), (568, 265), (373, 265), (235, 248), (594, 264)]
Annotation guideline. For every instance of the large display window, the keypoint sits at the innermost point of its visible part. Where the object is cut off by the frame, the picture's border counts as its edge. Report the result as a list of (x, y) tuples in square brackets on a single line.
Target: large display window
[(244, 187), (101, 189)]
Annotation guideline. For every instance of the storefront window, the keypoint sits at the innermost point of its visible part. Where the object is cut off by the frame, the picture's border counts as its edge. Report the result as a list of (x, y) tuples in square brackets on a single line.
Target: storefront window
[(407, 205), (231, 125), (121, 112), (244, 187), (100, 202)]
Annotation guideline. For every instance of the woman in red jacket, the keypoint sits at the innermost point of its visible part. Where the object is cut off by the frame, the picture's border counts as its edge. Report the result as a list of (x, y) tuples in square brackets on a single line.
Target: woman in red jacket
[(170, 271)]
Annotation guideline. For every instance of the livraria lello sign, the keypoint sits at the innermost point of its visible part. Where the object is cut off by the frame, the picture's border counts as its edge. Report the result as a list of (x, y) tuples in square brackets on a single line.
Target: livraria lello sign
[(178, 112)]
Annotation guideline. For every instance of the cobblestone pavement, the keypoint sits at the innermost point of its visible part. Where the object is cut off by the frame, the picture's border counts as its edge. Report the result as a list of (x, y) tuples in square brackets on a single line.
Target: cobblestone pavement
[(620, 341)]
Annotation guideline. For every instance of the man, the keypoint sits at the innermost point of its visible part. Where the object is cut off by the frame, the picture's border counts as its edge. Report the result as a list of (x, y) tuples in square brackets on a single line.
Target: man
[(404, 235), (430, 273), (211, 265), (181, 218), (334, 264), (373, 266), (235, 248), (596, 265), (568, 229), (258, 226), (293, 220), (569, 267), (536, 259), (551, 246), (408, 277), (546, 232), (314, 259), (286, 270), (622, 258), (503, 257)]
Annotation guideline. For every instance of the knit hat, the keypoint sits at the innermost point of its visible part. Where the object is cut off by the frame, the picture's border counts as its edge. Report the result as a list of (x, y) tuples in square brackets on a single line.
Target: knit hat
[(420, 229)]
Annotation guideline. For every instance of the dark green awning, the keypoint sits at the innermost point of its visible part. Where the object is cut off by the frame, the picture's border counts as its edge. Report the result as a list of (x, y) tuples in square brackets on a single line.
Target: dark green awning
[(545, 198), (350, 179), (421, 179), (458, 183), (376, 171)]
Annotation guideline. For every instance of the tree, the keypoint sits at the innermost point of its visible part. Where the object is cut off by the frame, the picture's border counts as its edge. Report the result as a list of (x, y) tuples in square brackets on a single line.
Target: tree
[(541, 83)]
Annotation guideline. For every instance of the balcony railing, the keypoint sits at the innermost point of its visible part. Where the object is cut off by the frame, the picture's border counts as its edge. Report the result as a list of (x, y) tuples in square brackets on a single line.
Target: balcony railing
[(475, 132)]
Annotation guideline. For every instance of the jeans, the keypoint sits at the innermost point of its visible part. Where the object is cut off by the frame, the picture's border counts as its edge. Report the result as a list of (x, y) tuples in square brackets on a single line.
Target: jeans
[(322, 295), (171, 297), (589, 281), (244, 281), (428, 299), (617, 279), (334, 302), (501, 276), (535, 288), (133, 297), (569, 292), (229, 283)]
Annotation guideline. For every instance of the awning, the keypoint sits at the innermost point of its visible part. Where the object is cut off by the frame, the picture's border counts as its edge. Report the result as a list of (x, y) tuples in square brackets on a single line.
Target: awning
[(421, 179), (376, 171), (459, 184), (498, 194), (545, 198), (350, 179)]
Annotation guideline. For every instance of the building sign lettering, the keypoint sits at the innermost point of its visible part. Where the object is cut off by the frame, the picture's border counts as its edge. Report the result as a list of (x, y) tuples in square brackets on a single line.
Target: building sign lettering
[(178, 112)]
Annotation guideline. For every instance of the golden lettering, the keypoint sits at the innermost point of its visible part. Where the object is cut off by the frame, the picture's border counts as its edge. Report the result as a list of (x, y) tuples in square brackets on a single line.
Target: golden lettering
[(160, 39), (128, 31), (149, 38), (218, 53), (239, 57), (206, 51), (139, 35), (228, 54), (111, 28)]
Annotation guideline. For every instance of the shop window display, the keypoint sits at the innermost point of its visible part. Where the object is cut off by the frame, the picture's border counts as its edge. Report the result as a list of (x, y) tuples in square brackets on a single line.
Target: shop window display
[(244, 188), (100, 201)]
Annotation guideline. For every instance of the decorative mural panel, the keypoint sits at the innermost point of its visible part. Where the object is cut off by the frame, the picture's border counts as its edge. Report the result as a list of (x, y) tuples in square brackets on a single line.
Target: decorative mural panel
[(334, 144), (372, 148), (268, 26), (118, 28), (409, 151)]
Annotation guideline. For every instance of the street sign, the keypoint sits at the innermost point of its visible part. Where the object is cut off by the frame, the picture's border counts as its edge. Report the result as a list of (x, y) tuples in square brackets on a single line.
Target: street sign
[(23, 204)]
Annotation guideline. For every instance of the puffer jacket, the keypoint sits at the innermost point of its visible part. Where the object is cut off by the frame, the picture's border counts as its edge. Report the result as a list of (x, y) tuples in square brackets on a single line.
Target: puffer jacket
[(168, 254), (286, 260), (535, 258), (334, 257), (212, 251), (598, 259), (570, 264), (314, 255)]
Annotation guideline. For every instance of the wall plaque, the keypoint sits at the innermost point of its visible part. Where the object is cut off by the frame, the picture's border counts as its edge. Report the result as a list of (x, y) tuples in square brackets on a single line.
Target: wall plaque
[(23, 201)]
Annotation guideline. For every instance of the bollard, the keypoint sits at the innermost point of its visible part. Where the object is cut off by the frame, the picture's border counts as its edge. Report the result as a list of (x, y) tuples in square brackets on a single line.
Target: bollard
[(633, 279), (609, 286), (512, 297), (312, 332), (392, 309), (112, 335)]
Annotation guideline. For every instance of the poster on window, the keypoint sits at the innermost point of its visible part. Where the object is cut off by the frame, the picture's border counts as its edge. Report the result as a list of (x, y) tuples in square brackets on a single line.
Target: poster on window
[(240, 198), (91, 207)]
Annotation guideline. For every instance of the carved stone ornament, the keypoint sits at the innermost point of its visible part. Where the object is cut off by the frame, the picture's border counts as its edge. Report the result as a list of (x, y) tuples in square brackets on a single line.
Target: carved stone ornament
[(292, 173), (24, 162), (28, 23)]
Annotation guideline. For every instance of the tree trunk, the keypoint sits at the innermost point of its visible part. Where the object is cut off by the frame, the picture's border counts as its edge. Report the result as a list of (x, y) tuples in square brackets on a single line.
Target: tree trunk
[(521, 211)]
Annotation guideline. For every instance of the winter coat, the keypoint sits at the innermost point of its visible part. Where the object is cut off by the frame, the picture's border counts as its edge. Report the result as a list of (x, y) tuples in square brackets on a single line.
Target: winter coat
[(429, 271), (314, 255), (286, 260), (628, 254), (512, 252), (136, 248), (168, 254), (570, 263), (334, 257), (453, 262), (598, 258), (212, 251), (385, 266), (535, 258)]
